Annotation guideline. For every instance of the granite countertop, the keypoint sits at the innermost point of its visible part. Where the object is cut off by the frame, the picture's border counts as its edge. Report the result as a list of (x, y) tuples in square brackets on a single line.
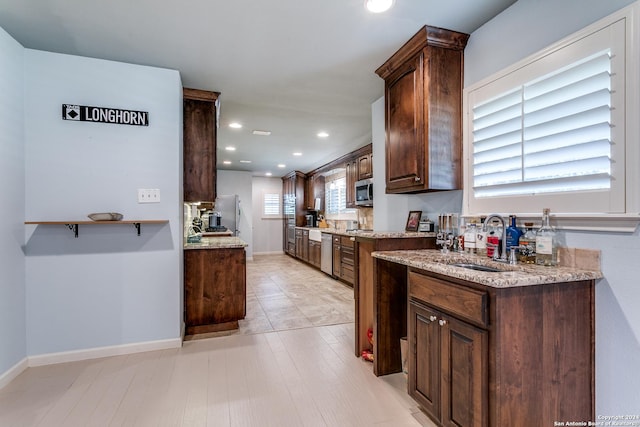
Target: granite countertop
[(222, 242), (510, 275)]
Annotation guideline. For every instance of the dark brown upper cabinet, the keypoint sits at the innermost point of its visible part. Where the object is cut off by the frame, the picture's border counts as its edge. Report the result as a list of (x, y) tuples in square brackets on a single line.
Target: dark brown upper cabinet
[(199, 145), (423, 112)]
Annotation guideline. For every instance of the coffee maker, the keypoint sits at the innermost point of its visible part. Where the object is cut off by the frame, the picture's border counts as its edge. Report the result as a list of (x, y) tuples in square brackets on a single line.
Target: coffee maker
[(312, 218)]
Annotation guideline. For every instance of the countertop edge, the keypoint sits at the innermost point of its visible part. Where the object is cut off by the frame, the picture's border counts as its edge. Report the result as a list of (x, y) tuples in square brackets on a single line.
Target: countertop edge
[(514, 275)]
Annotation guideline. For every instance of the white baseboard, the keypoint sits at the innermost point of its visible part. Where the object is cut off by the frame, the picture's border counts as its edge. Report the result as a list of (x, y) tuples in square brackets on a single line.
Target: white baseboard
[(13, 372), (95, 353)]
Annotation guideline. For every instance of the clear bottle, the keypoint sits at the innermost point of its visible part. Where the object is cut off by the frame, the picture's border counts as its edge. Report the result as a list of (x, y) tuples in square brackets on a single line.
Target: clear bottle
[(470, 238), (527, 243), (481, 240), (546, 242)]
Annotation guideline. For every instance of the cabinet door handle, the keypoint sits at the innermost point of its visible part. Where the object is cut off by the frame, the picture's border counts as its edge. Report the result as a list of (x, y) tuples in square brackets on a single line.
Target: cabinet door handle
[(433, 318), (442, 322)]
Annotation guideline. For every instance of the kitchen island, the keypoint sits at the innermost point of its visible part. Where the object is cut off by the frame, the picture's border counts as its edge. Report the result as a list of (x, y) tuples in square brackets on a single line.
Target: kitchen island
[(214, 284), (488, 343)]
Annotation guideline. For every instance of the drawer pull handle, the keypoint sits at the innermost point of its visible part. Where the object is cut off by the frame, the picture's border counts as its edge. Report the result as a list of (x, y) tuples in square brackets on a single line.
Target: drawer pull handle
[(442, 322), (433, 318), (417, 179)]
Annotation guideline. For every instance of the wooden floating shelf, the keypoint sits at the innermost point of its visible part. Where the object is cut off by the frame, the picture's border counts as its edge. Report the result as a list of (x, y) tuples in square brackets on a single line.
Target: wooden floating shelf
[(73, 225)]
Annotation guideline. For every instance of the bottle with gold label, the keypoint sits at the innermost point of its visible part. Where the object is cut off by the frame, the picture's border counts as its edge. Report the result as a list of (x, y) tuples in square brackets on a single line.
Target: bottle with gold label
[(527, 243), (546, 242)]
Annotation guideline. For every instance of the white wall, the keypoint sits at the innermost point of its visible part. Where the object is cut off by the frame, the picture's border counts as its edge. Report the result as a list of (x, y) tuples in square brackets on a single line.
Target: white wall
[(237, 182), (108, 287), (13, 346), (267, 233), (539, 23)]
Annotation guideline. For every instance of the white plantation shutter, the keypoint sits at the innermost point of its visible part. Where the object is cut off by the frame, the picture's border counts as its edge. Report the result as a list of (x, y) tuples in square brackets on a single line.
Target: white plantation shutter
[(549, 135), (552, 130), (271, 205)]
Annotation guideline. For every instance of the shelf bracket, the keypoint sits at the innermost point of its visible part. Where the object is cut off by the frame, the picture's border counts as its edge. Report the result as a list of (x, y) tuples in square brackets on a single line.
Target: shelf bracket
[(74, 228), (137, 226)]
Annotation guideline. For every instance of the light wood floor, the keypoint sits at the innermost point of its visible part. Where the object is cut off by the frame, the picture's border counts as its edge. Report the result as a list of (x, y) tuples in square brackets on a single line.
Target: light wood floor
[(289, 376)]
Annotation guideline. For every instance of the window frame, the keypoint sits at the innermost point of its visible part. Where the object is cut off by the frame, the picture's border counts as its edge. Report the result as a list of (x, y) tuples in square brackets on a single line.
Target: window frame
[(628, 212), (280, 214)]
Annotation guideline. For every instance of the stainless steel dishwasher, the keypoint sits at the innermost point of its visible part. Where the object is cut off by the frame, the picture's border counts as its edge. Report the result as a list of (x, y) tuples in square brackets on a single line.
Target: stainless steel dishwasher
[(326, 254)]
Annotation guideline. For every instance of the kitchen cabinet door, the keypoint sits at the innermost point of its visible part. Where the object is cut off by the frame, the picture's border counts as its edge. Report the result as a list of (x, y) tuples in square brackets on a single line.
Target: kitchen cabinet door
[(424, 358), (199, 145), (448, 367), (464, 373), (351, 178), (305, 245), (336, 257), (365, 166), (314, 253)]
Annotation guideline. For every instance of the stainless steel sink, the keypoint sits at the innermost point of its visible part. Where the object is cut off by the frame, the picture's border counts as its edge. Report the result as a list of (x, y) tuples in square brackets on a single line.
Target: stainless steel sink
[(477, 267)]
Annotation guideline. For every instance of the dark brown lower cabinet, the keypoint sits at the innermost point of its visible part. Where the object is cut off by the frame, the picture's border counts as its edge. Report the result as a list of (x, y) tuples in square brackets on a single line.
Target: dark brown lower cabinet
[(449, 367), (485, 356), (314, 253), (215, 291)]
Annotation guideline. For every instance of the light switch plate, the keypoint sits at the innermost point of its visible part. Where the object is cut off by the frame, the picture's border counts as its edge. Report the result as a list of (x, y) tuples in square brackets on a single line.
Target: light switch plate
[(148, 195)]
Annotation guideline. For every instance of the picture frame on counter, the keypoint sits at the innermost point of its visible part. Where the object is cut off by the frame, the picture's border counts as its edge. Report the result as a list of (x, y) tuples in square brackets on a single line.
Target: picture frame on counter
[(413, 220)]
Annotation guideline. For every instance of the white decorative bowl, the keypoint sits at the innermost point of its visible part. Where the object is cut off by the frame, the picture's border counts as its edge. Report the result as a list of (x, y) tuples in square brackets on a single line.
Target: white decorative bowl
[(105, 216)]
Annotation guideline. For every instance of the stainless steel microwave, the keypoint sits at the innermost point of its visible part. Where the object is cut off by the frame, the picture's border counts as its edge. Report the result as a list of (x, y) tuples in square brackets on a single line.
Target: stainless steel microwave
[(364, 192)]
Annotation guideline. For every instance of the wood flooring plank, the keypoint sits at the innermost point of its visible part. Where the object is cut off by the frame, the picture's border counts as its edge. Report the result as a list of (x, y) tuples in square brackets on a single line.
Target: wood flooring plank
[(289, 377)]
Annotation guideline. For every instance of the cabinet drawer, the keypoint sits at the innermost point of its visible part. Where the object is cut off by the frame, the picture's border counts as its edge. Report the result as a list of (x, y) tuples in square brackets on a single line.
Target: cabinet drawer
[(347, 241), (466, 303)]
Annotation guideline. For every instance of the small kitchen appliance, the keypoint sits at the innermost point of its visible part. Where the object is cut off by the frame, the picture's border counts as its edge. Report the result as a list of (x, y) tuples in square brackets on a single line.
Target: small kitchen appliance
[(312, 219), (364, 192)]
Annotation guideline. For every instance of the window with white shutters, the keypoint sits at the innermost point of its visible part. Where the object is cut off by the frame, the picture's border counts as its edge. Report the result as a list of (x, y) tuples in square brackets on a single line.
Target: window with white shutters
[(271, 205), (552, 130)]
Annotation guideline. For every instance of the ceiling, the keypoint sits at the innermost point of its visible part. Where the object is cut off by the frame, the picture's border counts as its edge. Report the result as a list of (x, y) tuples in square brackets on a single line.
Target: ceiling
[(292, 67)]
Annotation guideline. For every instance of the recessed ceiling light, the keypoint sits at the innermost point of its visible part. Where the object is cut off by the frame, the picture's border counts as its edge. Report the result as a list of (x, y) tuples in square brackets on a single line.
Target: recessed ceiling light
[(245, 161), (268, 174), (235, 125), (282, 165), (227, 162), (230, 148), (262, 132), (322, 134), (378, 6), (297, 154)]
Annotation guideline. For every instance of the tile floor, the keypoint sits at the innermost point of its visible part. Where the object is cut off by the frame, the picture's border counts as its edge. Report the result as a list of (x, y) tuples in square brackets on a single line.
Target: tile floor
[(283, 293), (290, 364)]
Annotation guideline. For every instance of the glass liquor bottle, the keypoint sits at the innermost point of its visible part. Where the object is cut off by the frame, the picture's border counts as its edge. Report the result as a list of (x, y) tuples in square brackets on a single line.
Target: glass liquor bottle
[(527, 242), (513, 233), (546, 242)]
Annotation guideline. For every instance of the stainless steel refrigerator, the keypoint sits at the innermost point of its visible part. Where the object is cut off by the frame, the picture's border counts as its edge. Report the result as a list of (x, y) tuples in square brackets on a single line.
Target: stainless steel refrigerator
[(229, 208)]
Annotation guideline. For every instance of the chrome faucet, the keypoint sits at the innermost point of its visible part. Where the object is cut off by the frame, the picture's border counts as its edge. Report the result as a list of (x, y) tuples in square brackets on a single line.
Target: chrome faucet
[(503, 256)]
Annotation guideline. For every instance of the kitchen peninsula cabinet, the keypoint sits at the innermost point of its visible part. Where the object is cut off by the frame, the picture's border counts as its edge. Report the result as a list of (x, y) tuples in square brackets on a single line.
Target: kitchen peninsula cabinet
[(423, 112), (489, 348), (199, 145), (214, 285)]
